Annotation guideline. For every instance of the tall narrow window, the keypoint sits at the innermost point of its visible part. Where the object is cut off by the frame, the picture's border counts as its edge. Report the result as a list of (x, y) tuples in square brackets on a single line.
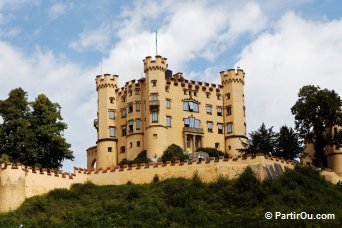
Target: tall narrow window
[(229, 127), (154, 83), (130, 107), (137, 91), (219, 128), (227, 96), (130, 126), (219, 111), (109, 149), (137, 107), (168, 103), (112, 131), (208, 109), (138, 124), (154, 117), (123, 113), (229, 111), (123, 128), (111, 100), (168, 121), (208, 94), (111, 114), (210, 126), (130, 93)]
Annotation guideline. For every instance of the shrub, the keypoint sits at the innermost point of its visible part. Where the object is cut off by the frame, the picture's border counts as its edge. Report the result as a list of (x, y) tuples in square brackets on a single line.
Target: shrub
[(212, 152), (141, 158), (174, 152)]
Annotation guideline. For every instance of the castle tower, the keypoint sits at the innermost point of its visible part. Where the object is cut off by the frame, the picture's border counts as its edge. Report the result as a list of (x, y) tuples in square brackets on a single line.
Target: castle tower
[(234, 110), (106, 127), (155, 99)]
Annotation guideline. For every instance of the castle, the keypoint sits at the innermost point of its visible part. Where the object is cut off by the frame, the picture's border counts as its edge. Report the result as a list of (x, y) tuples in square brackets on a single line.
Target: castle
[(161, 109), (150, 114)]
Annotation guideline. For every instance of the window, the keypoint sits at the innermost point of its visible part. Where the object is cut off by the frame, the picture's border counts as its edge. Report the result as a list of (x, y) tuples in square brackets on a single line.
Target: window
[(208, 109), (217, 145), (208, 95), (155, 136), (219, 128), (219, 111), (210, 126), (138, 124), (130, 145), (167, 88), (195, 93), (111, 100), (227, 96), (218, 96), (137, 91), (190, 106), (137, 107), (111, 114), (130, 93), (109, 149), (122, 149), (130, 126), (154, 83), (168, 103), (192, 122), (229, 127), (123, 113), (123, 128), (154, 96), (168, 121), (154, 117), (138, 143), (112, 131), (130, 107), (244, 111), (185, 92), (190, 92), (229, 111), (123, 98)]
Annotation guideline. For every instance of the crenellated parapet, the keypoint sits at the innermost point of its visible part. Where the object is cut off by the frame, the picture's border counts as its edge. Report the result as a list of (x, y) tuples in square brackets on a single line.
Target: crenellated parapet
[(158, 64), (106, 80), (232, 76)]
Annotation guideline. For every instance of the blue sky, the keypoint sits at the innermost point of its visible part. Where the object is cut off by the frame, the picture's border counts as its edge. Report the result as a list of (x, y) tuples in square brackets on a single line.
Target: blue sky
[(58, 47)]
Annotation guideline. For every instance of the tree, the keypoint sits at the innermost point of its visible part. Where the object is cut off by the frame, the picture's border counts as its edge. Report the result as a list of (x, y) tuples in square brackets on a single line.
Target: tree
[(174, 152), (15, 131), (316, 112), (32, 133), (288, 145), (263, 140), (48, 128)]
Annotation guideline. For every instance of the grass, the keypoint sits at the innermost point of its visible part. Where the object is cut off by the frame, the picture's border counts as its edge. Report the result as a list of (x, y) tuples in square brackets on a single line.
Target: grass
[(185, 203)]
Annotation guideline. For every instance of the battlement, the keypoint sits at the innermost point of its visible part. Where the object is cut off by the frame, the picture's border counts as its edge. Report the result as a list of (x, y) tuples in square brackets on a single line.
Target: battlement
[(159, 63), (106, 80), (232, 75)]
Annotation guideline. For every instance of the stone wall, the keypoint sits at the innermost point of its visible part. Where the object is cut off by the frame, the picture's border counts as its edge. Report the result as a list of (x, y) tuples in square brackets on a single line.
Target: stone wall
[(18, 182)]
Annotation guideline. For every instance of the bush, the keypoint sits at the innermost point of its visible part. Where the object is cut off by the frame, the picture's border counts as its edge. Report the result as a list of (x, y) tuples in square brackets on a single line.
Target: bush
[(141, 158), (174, 152), (212, 152)]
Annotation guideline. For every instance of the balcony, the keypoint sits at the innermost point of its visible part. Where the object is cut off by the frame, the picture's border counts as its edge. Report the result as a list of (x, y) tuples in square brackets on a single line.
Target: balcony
[(96, 123), (193, 130), (154, 105)]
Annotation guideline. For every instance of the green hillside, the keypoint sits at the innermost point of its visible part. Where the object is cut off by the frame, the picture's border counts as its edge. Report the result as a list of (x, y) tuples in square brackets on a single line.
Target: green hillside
[(185, 203)]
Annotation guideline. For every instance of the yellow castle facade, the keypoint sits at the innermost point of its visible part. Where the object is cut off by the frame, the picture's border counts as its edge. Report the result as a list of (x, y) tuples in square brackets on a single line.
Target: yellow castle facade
[(161, 109)]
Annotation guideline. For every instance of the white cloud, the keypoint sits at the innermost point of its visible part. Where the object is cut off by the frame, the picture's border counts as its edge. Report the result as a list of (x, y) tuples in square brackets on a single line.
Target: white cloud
[(68, 84), (98, 39), (298, 52), (59, 8), (189, 30)]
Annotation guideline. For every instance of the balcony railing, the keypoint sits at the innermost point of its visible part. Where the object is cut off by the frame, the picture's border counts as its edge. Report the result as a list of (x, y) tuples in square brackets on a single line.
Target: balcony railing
[(96, 123), (154, 105), (193, 130)]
